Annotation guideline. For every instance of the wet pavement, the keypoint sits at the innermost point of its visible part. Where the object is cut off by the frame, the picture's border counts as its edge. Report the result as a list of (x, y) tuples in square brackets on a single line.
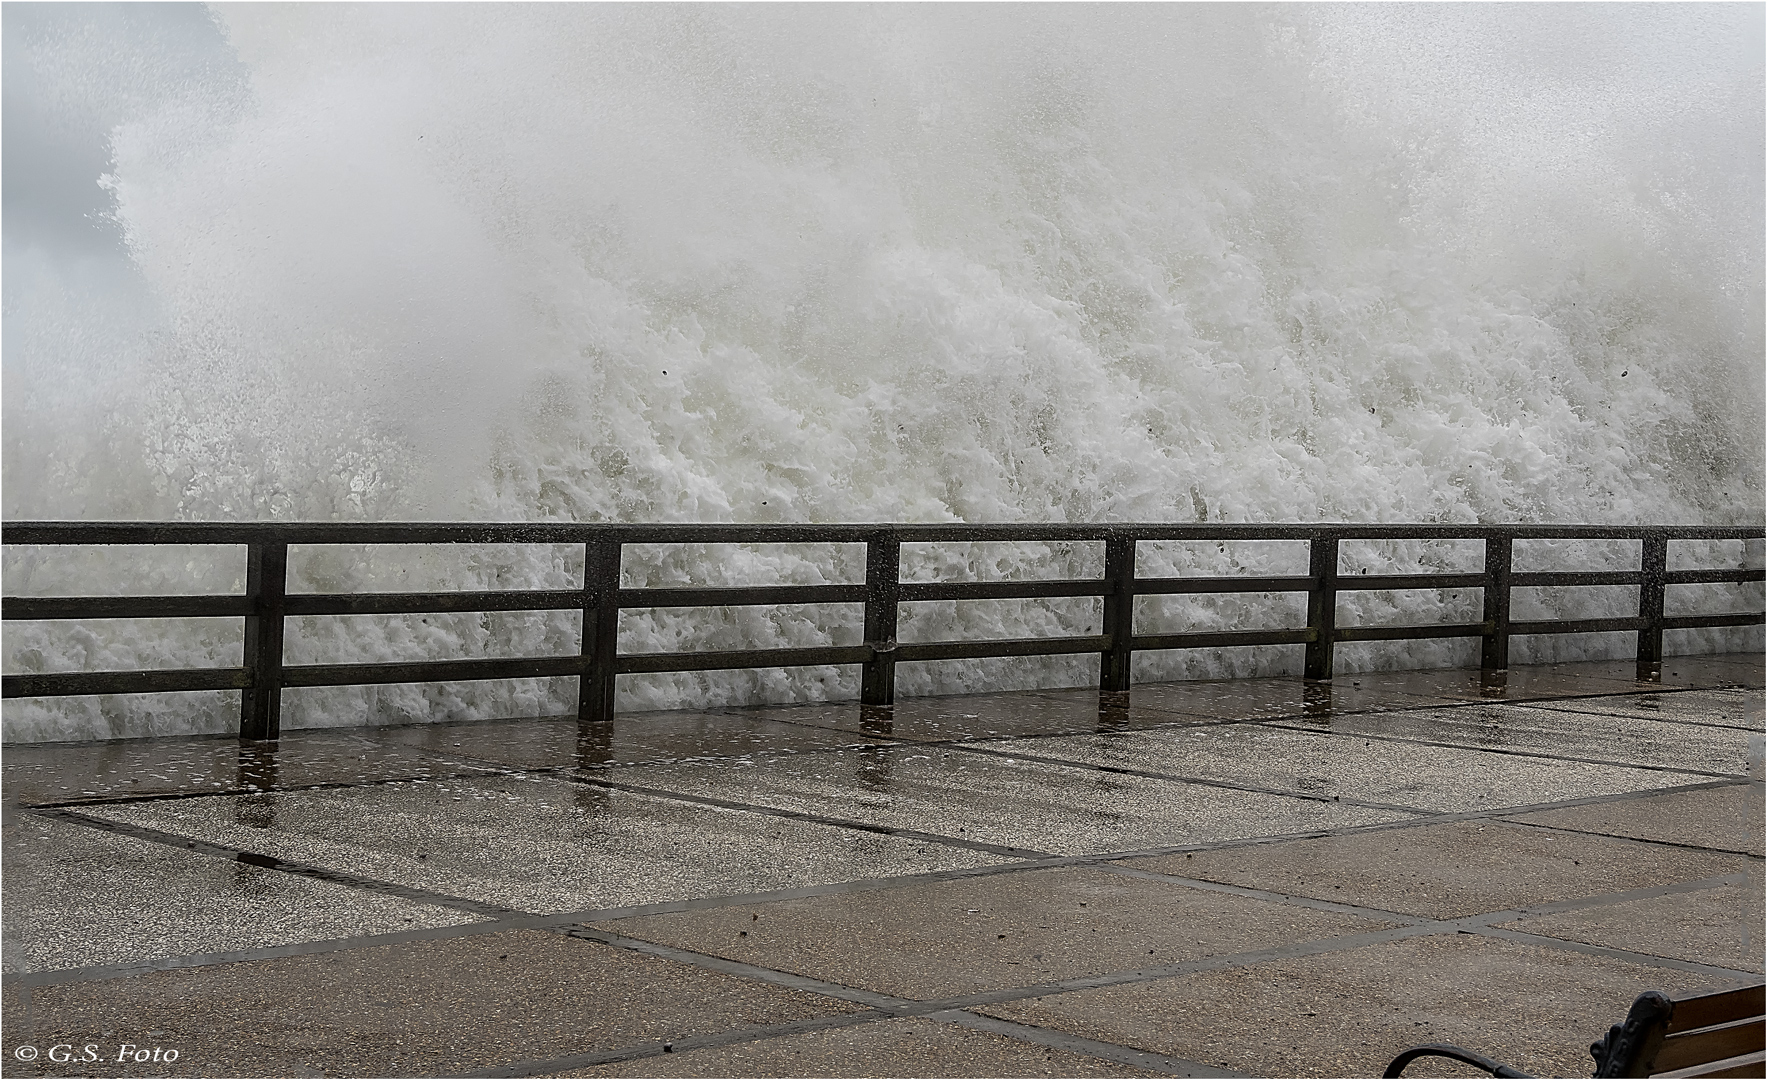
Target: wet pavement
[(1251, 877)]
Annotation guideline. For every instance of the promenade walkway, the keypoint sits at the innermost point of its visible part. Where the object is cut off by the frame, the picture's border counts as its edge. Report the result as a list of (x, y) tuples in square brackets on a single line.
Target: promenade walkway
[(1216, 878)]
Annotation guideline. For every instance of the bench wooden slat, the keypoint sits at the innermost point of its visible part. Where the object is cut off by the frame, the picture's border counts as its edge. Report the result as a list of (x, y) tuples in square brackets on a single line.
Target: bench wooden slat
[(1711, 1044), (1720, 1008), (1742, 1065)]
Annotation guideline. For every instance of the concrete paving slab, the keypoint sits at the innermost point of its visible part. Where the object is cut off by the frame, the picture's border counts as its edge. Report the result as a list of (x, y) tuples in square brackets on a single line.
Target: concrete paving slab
[(1348, 1014), (1450, 869), (542, 845), (1428, 778), (1727, 708), (912, 1046), (416, 1009), (473, 829), (1596, 736), (1727, 818), (61, 772), (1016, 804), (81, 897), (1720, 926), (945, 939), (628, 739)]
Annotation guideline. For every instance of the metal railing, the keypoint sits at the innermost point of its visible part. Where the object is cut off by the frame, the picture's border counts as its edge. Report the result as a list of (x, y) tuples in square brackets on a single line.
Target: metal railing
[(266, 603)]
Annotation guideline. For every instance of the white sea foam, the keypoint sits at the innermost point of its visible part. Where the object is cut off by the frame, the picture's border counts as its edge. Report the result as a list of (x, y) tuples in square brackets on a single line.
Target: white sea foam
[(902, 263)]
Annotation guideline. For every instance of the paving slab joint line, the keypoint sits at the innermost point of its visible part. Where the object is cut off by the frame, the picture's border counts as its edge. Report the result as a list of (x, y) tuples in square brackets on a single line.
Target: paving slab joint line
[(1295, 950), (869, 742), (880, 1007), (513, 920), (1640, 840), (1641, 959), (870, 999), (268, 862), (1198, 780), (540, 1067), (1626, 896), (1338, 943), (1461, 924), (1492, 814), (1265, 894), (801, 815), (1303, 729), (1549, 705), (1061, 1040), (1019, 1032), (1349, 943), (278, 789)]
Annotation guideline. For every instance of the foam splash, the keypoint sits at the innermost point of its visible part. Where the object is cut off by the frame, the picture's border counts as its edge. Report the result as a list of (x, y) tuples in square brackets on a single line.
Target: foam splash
[(913, 264)]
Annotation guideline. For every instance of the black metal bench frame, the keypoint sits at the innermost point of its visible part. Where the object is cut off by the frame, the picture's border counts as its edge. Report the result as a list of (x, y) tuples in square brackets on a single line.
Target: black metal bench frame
[(1713, 1034)]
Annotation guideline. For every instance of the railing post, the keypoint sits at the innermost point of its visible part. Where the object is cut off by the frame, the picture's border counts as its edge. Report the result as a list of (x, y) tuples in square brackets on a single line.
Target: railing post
[(1119, 614), (1322, 604), (601, 628), (883, 592), (266, 586), (1494, 650), (1653, 564)]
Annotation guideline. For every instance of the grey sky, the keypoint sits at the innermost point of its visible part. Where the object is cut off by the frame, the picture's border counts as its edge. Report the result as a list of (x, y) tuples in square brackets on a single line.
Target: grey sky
[(71, 73)]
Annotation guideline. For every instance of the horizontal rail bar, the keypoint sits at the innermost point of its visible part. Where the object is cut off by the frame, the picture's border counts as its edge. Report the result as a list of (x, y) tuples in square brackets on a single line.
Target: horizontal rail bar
[(640, 663), (975, 650), (1170, 585), (163, 680), (1576, 577), (138, 532), (1411, 581), (1581, 626), (540, 667), (431, 603), (738, 596), (20, 608), (1222, 639), (1694, 622), (919, 591), (123, 607), (1698, 577), (1409, 633)]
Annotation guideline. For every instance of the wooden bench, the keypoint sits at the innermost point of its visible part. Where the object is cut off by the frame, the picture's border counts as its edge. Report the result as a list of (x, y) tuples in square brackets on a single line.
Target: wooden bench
[(1713, 1034)]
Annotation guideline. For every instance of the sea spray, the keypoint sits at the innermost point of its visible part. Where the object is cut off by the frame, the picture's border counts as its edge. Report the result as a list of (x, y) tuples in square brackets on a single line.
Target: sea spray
[(610, 263)]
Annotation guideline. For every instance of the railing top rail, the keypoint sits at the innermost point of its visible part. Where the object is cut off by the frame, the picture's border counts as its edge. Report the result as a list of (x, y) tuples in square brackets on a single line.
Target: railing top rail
[(207, 532)]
